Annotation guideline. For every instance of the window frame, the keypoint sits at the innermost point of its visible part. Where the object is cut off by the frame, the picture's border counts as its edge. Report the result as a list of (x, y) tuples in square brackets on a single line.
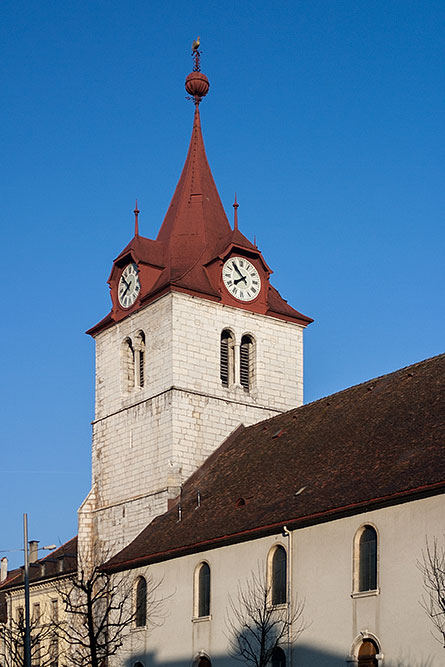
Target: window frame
[(271, 576), (197, 593), (138, 606), (357, 591)]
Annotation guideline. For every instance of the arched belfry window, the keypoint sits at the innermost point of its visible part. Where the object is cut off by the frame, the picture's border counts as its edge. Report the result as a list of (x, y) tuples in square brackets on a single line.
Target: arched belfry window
[(227, 358), (128, 364), (140, 359), (365, 560), (202, 590), (278, 657), (246, 362), (141, 603), (278, 575)]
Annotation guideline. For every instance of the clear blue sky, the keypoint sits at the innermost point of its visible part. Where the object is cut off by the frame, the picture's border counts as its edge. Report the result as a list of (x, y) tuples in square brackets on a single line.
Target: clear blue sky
[(326, 117)]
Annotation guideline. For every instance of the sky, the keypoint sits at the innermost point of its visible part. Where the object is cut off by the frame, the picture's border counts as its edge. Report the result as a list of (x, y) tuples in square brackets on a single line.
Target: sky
[(325, 116)]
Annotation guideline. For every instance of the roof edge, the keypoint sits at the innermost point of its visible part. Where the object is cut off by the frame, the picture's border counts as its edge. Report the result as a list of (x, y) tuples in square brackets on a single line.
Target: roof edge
[(295, 523)]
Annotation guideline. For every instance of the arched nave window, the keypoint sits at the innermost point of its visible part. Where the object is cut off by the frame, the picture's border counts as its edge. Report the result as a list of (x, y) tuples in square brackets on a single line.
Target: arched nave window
[(365, 559), (202, 590), (227, 358), (202, 661), (277, 571), (246, 362), (141, 603)]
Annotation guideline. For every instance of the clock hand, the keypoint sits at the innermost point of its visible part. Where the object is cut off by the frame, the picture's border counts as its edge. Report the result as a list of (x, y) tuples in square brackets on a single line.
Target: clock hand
[(237, 269), (235, 282)]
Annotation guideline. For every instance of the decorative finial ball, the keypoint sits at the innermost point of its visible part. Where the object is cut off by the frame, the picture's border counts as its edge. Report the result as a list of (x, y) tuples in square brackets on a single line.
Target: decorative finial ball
[(197, 84)]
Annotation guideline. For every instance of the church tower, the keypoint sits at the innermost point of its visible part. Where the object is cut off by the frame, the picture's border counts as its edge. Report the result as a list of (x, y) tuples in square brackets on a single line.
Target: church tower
[(196, 343)]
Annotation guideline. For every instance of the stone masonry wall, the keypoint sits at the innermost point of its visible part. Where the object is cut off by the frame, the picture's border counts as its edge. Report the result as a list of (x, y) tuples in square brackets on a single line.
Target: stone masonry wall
[(147, 441)]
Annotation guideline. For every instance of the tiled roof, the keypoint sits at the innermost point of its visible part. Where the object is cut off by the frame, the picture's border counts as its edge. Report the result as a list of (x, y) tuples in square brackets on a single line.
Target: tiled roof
[(377, 443), (194, 233), (60, 561)]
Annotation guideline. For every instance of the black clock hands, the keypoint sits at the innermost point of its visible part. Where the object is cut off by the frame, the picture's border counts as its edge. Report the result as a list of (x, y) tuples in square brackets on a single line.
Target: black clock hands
[(235, 282)]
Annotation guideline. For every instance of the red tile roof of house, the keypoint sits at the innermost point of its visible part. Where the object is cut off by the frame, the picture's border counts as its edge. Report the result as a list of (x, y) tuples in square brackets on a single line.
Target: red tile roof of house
[(377, 443)]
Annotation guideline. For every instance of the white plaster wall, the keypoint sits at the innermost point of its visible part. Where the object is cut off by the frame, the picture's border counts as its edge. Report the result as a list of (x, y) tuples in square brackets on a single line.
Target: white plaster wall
[(321, 563)]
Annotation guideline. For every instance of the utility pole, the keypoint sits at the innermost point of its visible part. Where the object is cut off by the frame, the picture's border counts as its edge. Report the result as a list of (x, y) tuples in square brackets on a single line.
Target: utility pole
[(27, 619)]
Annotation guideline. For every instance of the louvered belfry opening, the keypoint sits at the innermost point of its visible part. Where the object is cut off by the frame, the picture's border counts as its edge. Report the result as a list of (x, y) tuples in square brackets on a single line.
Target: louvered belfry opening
[(246, 362), (141, 359), (128, 363), (226, 358)]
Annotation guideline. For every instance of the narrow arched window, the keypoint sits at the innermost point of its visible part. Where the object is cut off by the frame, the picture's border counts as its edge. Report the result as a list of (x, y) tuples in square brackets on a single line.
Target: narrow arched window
[(202, 591), (227, 358), (203, 661), (140, 359), (367, 568), (128, 364), (279, 576), (278, 657), (367, 655), (246, 362), (141, 603)]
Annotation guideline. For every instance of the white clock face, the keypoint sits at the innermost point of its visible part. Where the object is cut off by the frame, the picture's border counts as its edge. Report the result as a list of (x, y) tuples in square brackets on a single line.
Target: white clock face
[(241, 279), (129, 286)]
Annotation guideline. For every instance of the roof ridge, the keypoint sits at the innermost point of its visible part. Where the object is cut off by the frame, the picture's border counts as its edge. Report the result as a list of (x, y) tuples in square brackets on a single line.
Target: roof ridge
[(364, 382)]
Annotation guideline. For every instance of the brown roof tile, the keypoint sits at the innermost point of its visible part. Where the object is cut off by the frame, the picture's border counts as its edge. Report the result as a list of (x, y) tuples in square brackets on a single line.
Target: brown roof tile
[(59, 562), (376, 443)]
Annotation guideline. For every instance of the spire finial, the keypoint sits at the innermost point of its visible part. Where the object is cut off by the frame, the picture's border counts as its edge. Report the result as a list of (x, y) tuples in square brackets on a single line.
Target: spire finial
[(196, 55), (235, 221), (197, 84), (136, 221)]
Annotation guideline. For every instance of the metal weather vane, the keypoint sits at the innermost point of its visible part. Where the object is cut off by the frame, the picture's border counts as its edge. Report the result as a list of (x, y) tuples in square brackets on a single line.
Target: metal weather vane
[(196, 55)]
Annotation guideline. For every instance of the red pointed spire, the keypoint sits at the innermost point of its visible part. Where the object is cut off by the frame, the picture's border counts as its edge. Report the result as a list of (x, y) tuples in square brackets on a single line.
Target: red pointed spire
[(136, 221), (195, 222)]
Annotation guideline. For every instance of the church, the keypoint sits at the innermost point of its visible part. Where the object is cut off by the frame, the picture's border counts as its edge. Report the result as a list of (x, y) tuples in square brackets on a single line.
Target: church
[(214, 483)]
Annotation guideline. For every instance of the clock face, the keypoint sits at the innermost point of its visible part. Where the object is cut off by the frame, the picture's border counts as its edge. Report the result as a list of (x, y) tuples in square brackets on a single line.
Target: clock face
[(129, 286), (241, 279)]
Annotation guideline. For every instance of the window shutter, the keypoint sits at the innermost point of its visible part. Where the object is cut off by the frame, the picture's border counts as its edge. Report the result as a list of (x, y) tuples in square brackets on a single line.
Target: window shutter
[(141, 368), (245, 361), (224, 358)]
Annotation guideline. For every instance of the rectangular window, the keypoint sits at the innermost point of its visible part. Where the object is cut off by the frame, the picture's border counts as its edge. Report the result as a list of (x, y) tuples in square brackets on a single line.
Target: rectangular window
[(55, 610), (36, 614)]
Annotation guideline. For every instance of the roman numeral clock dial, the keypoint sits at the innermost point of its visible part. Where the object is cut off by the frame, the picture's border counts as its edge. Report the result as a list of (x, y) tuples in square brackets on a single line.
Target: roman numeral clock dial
[(129, 286), (241, 279)]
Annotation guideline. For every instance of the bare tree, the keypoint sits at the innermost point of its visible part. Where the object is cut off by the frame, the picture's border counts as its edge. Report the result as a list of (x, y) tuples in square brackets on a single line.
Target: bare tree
[(432, 567), (12, 634), (256, 627), (98, 609)]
